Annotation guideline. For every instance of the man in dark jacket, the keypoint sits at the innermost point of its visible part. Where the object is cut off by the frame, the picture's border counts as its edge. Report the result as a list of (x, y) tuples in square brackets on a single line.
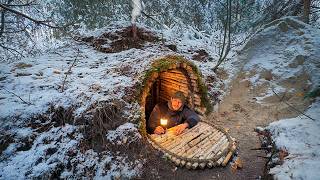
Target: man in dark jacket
[(178, 115)]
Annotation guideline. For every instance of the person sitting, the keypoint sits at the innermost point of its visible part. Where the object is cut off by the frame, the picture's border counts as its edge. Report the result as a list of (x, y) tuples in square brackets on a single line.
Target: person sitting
[(177, 113)]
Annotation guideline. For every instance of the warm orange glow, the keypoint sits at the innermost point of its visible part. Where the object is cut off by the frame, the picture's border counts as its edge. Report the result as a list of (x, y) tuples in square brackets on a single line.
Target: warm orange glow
[(163, 122)]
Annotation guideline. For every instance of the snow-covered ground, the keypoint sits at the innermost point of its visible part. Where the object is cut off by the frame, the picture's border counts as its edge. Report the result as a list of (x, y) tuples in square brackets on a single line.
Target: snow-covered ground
[(30, 85), (300, 137)]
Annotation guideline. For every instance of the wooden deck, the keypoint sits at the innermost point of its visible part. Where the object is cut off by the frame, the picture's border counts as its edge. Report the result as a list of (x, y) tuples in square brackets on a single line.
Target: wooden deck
[(202, 146)]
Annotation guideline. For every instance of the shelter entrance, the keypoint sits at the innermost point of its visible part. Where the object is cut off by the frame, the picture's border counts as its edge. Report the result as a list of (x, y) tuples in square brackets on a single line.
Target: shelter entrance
[(204, 145), (167, 83)]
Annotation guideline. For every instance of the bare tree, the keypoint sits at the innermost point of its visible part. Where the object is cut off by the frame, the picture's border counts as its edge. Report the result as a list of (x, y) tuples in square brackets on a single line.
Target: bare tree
[(17, 26), (306, 11), (226, 45)]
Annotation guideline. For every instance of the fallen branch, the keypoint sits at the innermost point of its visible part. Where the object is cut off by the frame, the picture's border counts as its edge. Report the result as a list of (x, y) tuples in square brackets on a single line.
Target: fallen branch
[(29, 103), (292, 106), (69, 71)]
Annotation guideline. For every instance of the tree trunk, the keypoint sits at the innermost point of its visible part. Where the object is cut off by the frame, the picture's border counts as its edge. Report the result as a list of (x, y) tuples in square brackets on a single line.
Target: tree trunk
[(306, 11)]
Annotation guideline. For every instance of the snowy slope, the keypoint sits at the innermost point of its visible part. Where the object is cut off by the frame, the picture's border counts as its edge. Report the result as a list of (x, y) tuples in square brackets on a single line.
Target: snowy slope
[(31, 85), (277, 55)]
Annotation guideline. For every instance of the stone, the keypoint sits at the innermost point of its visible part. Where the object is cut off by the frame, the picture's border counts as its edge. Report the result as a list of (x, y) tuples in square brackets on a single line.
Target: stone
[(298, 60), (283, 26)]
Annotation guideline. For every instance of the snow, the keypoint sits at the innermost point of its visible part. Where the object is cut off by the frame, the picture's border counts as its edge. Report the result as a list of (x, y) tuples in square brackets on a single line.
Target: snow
[(282, 53), (122, 132), (300, 137), (96, 77)]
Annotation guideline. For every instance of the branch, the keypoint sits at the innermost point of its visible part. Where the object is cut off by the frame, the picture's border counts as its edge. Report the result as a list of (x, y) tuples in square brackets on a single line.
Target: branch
[(18, 97), (292, 106), (20, 5), (11, 49), (27, 17), (69, 71)]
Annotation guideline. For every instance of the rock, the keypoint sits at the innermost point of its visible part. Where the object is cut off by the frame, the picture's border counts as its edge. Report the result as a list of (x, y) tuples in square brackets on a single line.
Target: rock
[(22, 65), (283, 26), (172, 47), (23, 74), (298, 60), (267, 75), (56, 71)]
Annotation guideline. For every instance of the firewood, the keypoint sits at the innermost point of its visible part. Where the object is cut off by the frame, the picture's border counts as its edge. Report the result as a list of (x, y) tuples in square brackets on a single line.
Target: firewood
[(202, 165), (226, 160), (171, 81), (193, 150), (186, 139), (220, 160), (207, 148), (182, 163), (177, 139), (188, 165), (216, 148), (194, 165), (177, 162), (205, 143), (211, 147)]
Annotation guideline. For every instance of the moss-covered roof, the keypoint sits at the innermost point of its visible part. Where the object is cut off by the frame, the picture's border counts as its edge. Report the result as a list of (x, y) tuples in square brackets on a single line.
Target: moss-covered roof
[(167, 62)]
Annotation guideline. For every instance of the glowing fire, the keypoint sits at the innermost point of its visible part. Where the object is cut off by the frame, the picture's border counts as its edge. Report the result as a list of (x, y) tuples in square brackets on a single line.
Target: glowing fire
[(163, 122)]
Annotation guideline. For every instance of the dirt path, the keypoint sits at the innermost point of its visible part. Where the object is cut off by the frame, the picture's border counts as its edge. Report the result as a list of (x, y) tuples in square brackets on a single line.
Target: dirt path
[(241, 113)]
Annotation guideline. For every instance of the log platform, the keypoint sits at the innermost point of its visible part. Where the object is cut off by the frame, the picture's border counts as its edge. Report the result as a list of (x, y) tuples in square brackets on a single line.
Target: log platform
[(203, 146)]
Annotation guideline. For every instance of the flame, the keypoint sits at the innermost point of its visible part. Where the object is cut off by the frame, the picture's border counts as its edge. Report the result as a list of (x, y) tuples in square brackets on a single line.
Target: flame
[(163, 122)]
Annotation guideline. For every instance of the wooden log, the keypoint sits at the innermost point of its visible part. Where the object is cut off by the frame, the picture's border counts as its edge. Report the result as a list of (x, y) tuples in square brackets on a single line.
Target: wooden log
[(226, 160), (178, 147), (202, 165), (209, 164), (177, 162), (188, 165), (178, 139), (182, 163), (174, 81), (183, 135), (205, 143), (173, 75), (189, 150), (220, 160), (194, 165), (179, 79), (208, 149), (183, 139), (176, 87), (203, 139), (215, 148), (218, 150)]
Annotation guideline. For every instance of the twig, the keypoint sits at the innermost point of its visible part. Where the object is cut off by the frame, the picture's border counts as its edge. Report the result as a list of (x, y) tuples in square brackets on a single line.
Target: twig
[(293, 107), (26, 16), (18, 97), (69, 70), (12, 50)]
